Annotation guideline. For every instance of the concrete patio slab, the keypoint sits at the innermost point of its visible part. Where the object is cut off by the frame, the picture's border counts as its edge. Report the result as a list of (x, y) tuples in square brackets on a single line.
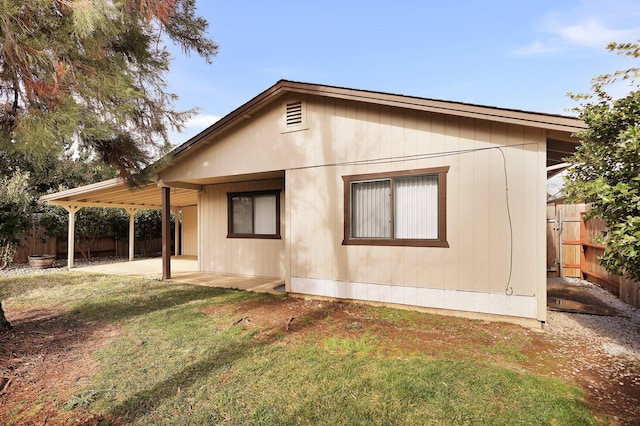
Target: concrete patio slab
[(184, 269)]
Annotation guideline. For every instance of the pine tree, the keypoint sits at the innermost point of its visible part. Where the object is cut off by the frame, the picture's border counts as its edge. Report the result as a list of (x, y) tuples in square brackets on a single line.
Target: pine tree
[(92, 73), (16, 204)]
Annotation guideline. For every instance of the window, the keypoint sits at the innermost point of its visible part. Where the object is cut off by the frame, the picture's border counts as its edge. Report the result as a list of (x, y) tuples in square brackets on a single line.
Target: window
[(400, 208), (254, 214)]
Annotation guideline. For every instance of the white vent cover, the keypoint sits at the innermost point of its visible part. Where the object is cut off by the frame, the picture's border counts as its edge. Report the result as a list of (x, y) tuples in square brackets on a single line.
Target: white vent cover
[(294, 113)]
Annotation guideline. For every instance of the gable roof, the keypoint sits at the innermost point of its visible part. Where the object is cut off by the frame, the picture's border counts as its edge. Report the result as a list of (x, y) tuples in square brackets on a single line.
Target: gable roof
[(553, 122), (116, 193)]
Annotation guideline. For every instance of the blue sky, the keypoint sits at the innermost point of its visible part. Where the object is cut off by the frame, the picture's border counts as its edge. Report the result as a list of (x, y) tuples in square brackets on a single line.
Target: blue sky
[(522, 54)]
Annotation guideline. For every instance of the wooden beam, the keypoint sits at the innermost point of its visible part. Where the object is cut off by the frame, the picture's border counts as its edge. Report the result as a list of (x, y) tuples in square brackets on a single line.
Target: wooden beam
[(166, 233), (151, 206), (108, 205), (181, 185)]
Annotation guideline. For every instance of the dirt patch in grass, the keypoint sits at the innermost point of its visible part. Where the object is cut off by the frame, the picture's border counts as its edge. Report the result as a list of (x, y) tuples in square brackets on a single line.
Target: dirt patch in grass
[(43, 360), (46, 358)]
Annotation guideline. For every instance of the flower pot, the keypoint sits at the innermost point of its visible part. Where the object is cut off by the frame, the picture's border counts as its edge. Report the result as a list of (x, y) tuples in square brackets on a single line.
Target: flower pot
[(41, 261)]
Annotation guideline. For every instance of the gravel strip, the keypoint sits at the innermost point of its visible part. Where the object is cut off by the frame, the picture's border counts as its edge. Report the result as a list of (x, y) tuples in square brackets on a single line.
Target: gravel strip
[(58, 266), (617, 336), (600, 353)]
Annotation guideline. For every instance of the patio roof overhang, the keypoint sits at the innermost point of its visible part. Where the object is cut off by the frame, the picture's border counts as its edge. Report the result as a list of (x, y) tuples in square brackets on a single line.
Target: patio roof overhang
[(115, 193)]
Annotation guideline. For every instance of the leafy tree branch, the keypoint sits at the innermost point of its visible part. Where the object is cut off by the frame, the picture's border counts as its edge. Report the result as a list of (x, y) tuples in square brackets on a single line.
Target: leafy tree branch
[(606, 171)]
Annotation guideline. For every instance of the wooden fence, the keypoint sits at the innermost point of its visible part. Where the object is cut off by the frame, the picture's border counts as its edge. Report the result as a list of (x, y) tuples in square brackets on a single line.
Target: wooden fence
[(36, 243), (627, 290), (573, 250), (39, 243)]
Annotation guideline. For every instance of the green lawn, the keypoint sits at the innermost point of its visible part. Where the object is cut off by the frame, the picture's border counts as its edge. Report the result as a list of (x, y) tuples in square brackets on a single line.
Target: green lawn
[(183, 357)]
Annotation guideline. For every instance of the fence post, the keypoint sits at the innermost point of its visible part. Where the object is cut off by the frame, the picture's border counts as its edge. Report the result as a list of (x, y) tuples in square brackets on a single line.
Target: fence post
[(560, 245)]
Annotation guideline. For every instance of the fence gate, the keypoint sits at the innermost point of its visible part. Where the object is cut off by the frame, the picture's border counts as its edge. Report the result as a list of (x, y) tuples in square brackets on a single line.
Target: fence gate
[(563, 239), (573, 251)]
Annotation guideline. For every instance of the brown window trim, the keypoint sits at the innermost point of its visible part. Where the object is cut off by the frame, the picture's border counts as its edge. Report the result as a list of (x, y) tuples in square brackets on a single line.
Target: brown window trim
[(231, 234), (441, 241)]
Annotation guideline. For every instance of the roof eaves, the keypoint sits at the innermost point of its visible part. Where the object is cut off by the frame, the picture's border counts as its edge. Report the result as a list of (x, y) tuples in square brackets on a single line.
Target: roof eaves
[(514, 116), (106, 184), (537, 119)]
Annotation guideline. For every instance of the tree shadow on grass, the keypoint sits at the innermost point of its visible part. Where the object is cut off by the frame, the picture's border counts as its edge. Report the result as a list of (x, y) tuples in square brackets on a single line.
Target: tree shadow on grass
[(111, 301), (136, 302), (23, 284), (219, 361), (148, 400)]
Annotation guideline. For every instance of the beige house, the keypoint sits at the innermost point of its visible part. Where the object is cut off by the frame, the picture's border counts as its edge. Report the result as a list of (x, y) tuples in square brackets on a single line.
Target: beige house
[(371, 196)]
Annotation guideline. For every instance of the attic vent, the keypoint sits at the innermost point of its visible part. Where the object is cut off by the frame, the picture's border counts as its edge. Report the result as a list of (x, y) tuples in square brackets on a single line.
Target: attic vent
[(294, 113)]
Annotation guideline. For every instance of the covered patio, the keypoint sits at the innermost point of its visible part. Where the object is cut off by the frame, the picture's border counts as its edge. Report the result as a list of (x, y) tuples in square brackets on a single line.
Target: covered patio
[(115, 193), (184, 270)]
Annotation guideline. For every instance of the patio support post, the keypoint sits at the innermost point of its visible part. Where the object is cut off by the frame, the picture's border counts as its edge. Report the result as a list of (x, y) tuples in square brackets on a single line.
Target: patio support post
[(166, 233), (176, 241), (132, 234), (71, 234)]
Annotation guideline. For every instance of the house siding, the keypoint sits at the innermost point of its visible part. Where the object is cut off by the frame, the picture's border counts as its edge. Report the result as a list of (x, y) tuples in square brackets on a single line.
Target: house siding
[(237, 256), (190, 231), (485, 247), (484, 250)]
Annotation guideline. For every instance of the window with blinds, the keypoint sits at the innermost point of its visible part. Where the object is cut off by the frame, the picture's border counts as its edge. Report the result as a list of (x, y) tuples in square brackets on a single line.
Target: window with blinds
[(399, 208), (254, 214)]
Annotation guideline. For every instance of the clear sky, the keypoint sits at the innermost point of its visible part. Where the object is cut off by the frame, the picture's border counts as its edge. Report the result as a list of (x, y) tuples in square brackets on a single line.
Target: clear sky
[(522, 54)]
